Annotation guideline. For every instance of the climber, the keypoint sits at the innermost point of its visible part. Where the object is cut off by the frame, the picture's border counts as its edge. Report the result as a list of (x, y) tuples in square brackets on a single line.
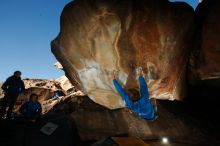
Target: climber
[(138, 102), (57, 94), (12, 87), (31, 110)]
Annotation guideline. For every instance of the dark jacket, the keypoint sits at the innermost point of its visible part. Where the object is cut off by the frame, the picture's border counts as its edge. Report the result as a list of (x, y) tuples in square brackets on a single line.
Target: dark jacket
[(13, 85), (31, 110)]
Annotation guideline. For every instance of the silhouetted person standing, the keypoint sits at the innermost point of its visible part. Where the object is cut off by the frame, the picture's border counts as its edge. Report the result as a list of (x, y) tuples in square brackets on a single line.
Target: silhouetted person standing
[(12, 87)]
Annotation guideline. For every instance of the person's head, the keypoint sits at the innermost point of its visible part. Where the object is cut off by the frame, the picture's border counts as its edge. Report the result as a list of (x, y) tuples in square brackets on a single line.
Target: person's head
[(34, 97), (133, 94), (17, 74)]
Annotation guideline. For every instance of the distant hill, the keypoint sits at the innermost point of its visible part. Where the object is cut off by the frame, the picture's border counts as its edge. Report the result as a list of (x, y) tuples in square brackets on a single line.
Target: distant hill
[(1, 94)]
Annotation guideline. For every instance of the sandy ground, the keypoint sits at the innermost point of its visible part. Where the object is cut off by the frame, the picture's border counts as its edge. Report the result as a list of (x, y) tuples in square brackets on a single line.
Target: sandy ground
[(21, 134)]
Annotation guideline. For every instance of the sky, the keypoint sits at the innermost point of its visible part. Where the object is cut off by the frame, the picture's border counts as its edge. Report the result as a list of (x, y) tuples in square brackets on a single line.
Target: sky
[(26, 30)]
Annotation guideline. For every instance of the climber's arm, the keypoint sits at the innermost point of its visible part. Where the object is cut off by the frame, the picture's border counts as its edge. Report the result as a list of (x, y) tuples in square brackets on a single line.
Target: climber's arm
[(143, 87), (122, 93)]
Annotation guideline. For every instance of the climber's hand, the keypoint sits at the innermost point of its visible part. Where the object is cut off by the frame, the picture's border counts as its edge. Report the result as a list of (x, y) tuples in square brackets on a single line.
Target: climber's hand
[(140, 72), (114, 75)]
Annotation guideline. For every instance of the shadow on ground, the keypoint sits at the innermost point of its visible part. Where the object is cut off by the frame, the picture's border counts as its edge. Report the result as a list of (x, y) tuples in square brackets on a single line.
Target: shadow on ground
[(199, 110)]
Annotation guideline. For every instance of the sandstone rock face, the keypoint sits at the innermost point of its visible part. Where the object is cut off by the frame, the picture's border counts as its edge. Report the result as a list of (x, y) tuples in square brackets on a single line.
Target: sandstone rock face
[(43, 88), (207, 51), (58, 65), (42, 83), (94, 122), (99, 36), (44, 94), (64, 83)]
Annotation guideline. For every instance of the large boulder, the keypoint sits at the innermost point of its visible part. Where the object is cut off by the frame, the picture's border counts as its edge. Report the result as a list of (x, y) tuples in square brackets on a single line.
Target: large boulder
[(99, 36), (94, 122), (65, 84), (206, 55)]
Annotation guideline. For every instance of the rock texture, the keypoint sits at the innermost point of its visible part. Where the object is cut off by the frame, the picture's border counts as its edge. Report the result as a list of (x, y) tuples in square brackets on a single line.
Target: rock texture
[(206, 56), (43, 88), (65, 84), (94, 122), (58, 65), (42, 83), (99, 36)]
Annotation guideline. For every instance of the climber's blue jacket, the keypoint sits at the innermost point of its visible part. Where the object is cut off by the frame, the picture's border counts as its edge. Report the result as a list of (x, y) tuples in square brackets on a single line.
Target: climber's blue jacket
[(143, 107), (31, 110)]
